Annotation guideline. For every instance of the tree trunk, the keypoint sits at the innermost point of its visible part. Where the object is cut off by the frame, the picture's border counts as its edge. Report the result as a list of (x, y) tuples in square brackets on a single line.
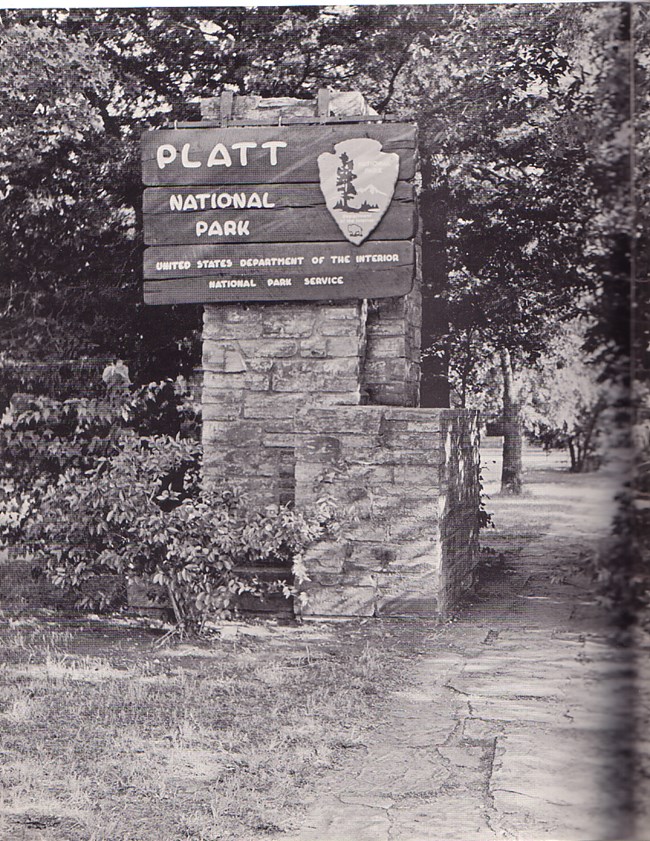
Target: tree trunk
[(512, 431)]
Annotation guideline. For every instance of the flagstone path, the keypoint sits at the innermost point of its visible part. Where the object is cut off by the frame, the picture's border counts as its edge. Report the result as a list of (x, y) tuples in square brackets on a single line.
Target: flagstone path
[(515, 721)]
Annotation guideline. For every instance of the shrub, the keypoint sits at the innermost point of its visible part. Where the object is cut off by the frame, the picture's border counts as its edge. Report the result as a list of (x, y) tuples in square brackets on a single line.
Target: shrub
[(41, 438), (111, 486), (141, 513), (163, 408)]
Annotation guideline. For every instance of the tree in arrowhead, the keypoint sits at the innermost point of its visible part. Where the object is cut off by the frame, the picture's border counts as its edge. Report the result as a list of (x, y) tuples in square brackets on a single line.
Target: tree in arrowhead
[(345, 175)]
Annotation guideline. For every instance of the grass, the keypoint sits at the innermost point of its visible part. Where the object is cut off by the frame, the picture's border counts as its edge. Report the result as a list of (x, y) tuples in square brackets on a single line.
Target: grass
[(109, 738)]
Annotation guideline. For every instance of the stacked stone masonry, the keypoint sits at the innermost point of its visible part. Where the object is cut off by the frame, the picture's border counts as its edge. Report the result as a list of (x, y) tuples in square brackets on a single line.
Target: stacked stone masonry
[(406, 484), (260, 364), (302, 400)]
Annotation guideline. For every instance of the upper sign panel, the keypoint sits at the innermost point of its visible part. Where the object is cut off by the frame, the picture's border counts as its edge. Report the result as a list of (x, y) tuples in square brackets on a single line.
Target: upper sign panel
[(262, 155)]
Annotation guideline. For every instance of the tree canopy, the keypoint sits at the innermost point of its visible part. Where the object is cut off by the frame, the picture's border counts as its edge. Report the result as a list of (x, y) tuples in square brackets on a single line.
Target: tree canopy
[(524, 126)]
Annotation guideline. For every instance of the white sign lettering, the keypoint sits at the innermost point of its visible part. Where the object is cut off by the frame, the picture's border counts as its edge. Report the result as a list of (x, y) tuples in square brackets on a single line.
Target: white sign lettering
[(219, 155)]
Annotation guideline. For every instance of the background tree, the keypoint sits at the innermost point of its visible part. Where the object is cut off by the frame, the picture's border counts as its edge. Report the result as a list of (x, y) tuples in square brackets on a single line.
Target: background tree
[(525, 136)]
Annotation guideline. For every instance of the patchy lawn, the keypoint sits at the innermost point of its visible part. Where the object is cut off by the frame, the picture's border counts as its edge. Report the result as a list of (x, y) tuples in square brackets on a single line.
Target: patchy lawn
[(108, 737)]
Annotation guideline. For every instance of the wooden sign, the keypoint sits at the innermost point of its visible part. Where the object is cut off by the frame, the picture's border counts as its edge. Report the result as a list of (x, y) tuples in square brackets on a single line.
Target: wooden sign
[(217, 194), (204, 273)]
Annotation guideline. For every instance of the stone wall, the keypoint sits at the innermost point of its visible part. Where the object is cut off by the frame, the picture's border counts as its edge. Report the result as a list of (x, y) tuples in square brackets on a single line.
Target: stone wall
[(406, 483), (391, 369)]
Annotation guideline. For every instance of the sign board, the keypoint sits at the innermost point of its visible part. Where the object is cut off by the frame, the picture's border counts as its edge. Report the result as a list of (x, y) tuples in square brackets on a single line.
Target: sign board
[(279, 213)]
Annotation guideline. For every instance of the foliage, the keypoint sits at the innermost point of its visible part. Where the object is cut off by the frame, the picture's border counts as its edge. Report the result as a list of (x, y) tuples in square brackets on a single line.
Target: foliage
[(531, 152), (571, 405), (163, 408), (525, 149), (41, 438), (524, 146), (141, 513), (566, 400), (526, 152), (111, 486)]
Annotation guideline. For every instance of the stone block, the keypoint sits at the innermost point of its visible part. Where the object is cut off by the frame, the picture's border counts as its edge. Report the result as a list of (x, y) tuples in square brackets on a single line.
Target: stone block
[(346, 367), (365, 478), (388, 347), (327, 558), (276, 348), (314, 348), (334, 327), (347, 398), (348, 311), (386, 329), (376, 556), (278, 439), (344, 346), (372, 530), (387, 394), (295, 322), (258, 364), (323, 449), (307, 474), (214, 355), (267, 405), (239, 433), (408, 595), (243, 313), (423, 441), (314, 382), (423, 478), (250, 380), (332, 347), (217, 326), (409, 528), (385, 369), (399, 456), (361, 420), (221, 404), (337, 600), (234, 362)]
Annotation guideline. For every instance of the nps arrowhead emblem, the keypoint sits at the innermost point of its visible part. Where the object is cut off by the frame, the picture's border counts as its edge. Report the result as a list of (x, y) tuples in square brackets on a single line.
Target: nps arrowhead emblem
[(358, 181)]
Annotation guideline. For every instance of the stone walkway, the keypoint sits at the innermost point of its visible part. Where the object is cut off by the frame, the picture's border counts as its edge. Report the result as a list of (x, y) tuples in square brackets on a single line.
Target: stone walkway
[(516, 721)]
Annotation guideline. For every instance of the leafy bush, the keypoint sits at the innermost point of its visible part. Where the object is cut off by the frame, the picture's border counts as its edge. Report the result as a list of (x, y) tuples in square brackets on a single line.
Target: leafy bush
[(163, 408), (111, 486), (41, 438), (141, 513)]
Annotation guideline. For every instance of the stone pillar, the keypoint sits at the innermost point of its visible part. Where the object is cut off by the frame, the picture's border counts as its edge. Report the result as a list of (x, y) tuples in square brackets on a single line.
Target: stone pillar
[(261, 362), (391, 371), (305, 399)]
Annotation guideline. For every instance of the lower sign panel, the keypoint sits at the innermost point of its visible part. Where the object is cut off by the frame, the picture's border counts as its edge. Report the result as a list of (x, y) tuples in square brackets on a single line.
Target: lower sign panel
[(287, 272)]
